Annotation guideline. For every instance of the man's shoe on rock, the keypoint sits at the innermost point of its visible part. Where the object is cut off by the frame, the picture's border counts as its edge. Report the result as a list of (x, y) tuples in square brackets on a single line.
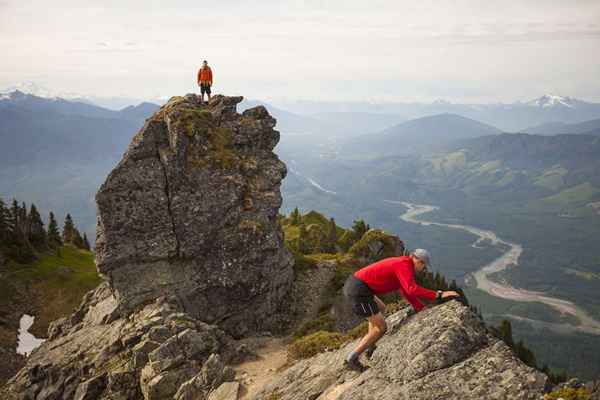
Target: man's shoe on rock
[(354, 365)]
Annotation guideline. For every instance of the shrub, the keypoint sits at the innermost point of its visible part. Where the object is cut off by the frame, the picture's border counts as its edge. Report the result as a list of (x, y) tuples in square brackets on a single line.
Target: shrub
[(315, 343), (323, 322), (568, 394)]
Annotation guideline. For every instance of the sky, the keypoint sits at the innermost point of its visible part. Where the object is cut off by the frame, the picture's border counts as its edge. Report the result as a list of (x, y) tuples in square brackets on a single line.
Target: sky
[(340, 50)]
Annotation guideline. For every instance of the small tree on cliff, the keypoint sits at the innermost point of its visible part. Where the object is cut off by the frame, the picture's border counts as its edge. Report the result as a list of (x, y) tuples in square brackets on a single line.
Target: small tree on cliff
[(86, 243), (36, 233), (54, 239), (3, 222), (68, 230), (295, 217), (359, 228)]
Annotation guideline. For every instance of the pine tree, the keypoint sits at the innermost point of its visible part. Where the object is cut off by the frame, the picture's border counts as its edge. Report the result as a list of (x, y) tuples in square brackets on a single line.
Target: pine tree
[(24, 220), (68, 230), (36, 233), (86, 243), (13, 221), (3, 223), (77, 239), (295, 216), (54, 237), (360, 228)]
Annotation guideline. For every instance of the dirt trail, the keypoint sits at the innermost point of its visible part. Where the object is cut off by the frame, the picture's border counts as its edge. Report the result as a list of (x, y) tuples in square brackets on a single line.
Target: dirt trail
[(255, 374)]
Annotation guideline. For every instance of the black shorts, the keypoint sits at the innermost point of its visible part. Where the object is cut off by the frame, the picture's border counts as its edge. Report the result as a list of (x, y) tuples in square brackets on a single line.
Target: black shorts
[(204, 88), (360, 297)]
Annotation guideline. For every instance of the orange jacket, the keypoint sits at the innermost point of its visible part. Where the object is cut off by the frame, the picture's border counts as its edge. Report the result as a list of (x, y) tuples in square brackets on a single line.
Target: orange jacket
[(205, 75)]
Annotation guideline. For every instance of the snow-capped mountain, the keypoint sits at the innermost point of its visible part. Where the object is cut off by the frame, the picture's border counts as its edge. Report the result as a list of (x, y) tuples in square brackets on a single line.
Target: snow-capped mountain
[(38, 91), (551, 100)]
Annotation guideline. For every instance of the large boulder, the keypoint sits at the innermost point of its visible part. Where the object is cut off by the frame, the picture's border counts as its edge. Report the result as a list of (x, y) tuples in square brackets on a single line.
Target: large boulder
[(191, 211), (192, 255), (444, 352)]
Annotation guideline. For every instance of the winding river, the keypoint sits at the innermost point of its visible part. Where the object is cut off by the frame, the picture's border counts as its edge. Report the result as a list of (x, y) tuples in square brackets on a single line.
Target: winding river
[(508, 258)]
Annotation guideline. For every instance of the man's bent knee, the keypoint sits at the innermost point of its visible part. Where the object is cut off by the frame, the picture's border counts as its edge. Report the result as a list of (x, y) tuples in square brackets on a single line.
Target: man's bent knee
[(378, 323)]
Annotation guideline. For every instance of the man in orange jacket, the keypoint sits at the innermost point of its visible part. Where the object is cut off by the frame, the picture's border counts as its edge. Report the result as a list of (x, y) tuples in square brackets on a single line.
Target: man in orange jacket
[(387, 275), (205, 80)]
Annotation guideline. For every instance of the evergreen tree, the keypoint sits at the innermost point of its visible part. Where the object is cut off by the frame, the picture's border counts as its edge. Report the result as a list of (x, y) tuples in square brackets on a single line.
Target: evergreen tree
[(54, 238), (77, 239), (295, 216), (86, 243), (13, 221), (24, 220), (68, 230), (3, 223), (360, 228), (36, 233)]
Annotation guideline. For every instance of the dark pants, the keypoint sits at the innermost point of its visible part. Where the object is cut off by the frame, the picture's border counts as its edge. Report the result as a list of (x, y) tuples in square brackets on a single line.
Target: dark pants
[(360, 297), (204, 88)]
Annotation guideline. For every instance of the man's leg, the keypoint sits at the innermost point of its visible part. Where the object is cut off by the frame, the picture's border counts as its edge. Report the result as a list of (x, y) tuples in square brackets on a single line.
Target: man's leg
[(377, 328)]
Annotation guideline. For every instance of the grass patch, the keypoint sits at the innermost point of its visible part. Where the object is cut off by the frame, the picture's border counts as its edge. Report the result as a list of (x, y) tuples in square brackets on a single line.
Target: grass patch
[(323, 322), (316, 343), (574, 195), (58, 283)]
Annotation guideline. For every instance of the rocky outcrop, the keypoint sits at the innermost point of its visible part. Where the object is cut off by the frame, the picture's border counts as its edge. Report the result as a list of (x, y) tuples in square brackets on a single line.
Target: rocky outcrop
[(192, 255), (444, 352), (191, 212)]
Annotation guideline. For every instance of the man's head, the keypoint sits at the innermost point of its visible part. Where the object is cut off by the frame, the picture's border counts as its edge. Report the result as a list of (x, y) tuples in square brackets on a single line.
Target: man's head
[(421, 259), (204, 63)]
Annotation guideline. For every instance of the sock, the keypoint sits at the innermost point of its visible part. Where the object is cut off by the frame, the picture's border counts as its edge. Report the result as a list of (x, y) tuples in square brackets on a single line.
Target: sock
[(352, 356)]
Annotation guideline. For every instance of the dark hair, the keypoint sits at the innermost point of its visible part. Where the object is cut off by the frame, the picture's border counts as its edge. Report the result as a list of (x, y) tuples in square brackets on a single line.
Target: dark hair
[(205, 61)]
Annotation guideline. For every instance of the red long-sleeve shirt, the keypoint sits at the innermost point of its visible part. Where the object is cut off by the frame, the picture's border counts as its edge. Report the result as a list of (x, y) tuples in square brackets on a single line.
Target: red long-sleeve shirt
[(395, 273)]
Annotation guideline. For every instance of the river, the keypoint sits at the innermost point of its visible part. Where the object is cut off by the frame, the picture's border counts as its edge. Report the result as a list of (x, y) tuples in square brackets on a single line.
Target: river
[(509, 258)]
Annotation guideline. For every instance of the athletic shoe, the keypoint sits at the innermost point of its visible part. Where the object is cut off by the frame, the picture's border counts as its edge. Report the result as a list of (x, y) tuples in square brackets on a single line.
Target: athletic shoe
[(354, 365)]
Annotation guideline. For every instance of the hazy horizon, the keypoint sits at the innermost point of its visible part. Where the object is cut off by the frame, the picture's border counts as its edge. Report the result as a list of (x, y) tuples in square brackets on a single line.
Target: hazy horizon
[(467, 51)]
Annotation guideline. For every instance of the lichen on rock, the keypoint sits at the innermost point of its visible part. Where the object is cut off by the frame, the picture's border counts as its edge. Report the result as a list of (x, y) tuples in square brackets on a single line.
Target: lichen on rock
[(169, 215)]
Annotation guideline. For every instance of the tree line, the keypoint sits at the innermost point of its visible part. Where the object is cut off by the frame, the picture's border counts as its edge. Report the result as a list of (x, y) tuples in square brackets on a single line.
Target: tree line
[(324, 237), (23, 234)]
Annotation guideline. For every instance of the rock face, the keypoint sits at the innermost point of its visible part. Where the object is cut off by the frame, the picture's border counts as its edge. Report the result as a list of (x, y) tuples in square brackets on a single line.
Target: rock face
[(191, 211), (192, 255), (444, 352)]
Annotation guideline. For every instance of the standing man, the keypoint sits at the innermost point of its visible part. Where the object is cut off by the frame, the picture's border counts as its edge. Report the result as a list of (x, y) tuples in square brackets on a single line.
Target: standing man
[(387, 275), (205, 80)]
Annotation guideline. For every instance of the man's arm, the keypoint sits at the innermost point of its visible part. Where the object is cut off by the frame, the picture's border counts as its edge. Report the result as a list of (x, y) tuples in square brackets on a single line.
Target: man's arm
[(198, 76), (210, 78), (406, 277)]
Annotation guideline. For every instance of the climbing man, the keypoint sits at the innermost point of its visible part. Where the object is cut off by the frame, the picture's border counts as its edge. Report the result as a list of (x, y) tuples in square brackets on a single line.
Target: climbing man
[(205, 80), (387, 275)]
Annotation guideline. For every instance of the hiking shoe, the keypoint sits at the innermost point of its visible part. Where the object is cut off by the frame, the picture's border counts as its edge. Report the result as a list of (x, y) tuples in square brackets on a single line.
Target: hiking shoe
[(355, 365), (369, 352)]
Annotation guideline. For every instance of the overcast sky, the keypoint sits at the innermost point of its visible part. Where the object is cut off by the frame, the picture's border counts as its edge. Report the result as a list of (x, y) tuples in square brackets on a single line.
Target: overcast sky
[(472, 51)]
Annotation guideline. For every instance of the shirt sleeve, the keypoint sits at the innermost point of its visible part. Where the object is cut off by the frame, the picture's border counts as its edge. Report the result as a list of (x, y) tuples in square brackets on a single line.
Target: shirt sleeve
[(415, 302), (406, 277)]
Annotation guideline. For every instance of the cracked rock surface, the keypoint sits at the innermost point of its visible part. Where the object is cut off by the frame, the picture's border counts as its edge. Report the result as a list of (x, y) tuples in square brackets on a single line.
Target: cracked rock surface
[(444, 352), (191, 211)]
